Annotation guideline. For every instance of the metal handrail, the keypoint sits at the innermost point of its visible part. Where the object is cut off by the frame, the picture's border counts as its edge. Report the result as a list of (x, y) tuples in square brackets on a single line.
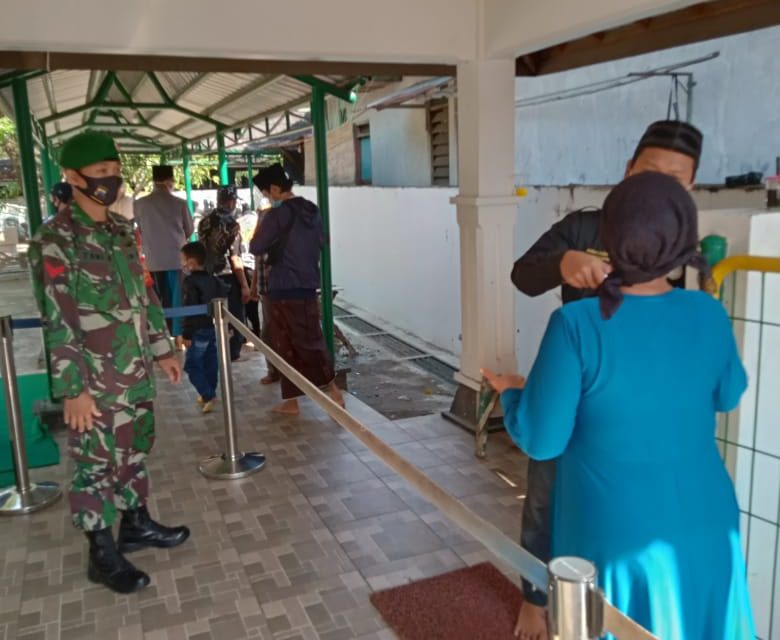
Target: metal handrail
[(726, 267)]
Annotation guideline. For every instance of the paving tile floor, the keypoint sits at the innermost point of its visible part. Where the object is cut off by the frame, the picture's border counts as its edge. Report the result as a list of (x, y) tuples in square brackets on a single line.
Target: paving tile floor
[(292, 552)]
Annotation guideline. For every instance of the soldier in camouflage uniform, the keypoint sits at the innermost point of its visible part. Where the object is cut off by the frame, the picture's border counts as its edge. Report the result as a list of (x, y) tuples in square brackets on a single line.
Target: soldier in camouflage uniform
[(104, 330)]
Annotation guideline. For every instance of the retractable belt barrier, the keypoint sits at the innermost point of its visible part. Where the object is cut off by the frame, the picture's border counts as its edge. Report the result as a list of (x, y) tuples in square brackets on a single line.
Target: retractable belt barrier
[(577, 608), (27, 497)]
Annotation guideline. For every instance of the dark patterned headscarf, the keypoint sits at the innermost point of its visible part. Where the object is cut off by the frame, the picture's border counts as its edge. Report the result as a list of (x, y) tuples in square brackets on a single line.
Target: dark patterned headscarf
[(649, 227)]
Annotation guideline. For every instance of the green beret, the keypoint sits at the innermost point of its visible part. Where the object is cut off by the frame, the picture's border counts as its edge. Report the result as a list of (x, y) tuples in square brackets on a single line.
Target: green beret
[(87, 148)]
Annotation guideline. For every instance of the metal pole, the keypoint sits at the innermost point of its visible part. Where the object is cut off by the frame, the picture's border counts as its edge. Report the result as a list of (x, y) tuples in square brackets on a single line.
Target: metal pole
[(321, 156), (223, 162), (249, 170), (24, 136), (185, 163), (689, 103), (25, 497), (233, 463), (576, 607)]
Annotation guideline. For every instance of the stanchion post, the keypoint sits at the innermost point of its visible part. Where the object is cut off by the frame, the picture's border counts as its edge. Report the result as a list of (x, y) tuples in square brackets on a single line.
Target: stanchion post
[(575, 604), (233, 463), (26, 496)]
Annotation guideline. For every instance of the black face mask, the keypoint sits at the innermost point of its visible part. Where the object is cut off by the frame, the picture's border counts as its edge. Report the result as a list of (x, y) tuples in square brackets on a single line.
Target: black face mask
[(104, 191)]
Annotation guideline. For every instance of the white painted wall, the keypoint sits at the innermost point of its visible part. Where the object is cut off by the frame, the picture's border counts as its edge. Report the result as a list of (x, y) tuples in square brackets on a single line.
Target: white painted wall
[(543, 206), (396, 253), (587, 140), (400, 148)]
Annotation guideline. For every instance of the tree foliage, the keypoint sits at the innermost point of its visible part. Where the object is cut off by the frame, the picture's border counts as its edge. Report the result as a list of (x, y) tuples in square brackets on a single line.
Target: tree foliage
[(137, 171), (9, 148)]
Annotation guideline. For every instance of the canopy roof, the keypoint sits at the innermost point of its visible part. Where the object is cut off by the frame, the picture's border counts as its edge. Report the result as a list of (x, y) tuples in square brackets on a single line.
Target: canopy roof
[(157, 111)]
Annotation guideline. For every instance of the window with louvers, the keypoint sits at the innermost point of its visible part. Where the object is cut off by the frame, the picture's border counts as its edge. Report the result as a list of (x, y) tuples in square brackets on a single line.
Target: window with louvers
[(439, 130)]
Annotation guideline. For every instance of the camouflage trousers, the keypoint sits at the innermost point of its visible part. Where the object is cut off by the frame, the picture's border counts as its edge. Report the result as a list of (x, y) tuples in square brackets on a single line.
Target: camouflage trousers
[(110, 465)]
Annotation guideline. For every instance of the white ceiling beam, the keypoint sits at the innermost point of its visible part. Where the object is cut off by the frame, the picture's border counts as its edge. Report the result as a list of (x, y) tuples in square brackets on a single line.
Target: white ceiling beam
[(434, 31)]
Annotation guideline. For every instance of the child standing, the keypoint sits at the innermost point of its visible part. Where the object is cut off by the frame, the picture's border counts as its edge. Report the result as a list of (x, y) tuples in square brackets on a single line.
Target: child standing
[(200, 287)]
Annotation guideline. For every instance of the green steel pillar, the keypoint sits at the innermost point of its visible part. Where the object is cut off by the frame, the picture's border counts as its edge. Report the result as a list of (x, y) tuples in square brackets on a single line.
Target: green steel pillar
[(54, 167), (321, 161), (24, 136), (48, 178), (163, 157), (251, 184), (223, 162), (185, 165)]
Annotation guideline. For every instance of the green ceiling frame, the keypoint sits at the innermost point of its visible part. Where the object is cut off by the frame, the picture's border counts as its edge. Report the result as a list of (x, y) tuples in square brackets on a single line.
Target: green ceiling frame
[(344, 93), (101, 101), (143, 123), (7, 79), (101, 106)]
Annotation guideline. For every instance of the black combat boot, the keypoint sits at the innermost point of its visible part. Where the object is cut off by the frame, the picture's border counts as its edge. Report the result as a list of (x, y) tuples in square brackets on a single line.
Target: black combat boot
[(109, 567), (138, 530)]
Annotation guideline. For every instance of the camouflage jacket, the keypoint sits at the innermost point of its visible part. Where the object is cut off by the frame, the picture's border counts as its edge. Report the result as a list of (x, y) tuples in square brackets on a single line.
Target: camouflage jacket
[(220, 233), (103, 328)]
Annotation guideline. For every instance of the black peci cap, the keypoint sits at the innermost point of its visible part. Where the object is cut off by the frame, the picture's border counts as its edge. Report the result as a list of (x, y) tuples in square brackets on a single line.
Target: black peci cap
[(162, 172), (673, 135), (273, 175)]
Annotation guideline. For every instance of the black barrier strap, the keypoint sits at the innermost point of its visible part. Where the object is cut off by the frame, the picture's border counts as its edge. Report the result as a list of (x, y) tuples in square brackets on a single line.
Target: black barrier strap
[(175, 312)]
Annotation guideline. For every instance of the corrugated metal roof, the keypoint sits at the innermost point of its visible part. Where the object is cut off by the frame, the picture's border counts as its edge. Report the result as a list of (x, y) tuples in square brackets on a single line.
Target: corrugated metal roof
[(232, 99)]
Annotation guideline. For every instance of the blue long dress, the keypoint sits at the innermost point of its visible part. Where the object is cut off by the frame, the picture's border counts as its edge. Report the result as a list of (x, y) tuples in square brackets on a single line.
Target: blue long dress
[(628, 405)]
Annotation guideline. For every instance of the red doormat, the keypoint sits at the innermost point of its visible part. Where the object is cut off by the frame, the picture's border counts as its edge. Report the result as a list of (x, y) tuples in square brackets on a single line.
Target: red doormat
[(472, 603)]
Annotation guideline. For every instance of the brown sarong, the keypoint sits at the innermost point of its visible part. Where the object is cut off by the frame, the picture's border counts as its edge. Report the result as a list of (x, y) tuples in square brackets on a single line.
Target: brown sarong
[(297, 336)]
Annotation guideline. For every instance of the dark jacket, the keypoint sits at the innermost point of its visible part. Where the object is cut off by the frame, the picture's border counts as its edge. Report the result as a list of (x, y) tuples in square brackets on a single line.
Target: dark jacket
[(539, 270), (200, 287), (298, 266)]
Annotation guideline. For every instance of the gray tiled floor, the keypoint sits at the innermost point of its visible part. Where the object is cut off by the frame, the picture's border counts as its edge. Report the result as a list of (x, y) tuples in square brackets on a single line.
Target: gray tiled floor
[(290, 553)]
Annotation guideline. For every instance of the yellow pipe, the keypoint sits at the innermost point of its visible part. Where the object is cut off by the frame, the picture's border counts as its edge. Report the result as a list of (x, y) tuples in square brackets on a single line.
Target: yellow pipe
[(726, 267)]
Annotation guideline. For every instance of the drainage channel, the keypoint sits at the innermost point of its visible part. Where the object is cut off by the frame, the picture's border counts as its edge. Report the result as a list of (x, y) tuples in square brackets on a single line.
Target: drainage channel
[(400, 348)]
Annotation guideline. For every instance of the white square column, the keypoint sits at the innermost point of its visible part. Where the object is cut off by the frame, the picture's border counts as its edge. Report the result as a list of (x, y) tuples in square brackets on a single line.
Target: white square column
[(487, 210)]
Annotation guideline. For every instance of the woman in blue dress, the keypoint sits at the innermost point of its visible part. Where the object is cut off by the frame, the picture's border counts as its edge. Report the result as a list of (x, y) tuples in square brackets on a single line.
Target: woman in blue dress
[(624, 392)]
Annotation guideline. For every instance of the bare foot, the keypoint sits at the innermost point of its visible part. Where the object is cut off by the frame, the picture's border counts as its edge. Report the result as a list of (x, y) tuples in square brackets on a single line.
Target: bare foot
[(335, 393), (531, 623), (287, 408), (269, 379)]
